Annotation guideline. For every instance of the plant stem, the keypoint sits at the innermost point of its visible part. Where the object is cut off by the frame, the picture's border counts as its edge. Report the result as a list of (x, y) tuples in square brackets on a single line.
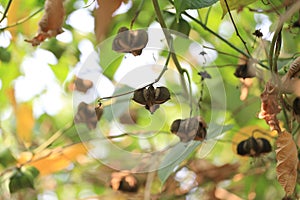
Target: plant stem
[(170, 44), (236, 29), (54, 137), (22, 20), (6, 11), (221, 38), (137, 13)]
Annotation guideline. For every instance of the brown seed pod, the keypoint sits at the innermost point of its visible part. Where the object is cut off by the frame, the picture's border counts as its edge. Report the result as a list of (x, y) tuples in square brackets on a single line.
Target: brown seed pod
[(189, 129), (245, 68), (99, 111), (130, 41), (82, 85), (254, 147), (151, 97), (86, 114), (124, 181), (296, 106)]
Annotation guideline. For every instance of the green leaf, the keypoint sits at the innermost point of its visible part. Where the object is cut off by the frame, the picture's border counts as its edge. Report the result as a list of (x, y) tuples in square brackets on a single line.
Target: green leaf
[(5, 55), (6, 157), (182, 26), (182, 5), (182, 150), (179, 153), (234, 4)]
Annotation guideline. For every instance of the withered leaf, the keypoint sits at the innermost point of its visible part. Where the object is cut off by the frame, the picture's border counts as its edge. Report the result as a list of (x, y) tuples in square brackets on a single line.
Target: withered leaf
[(51, 22), (86, 114), (270, 107), (189, 129), (151, 97), (130, 41), (287, 162)]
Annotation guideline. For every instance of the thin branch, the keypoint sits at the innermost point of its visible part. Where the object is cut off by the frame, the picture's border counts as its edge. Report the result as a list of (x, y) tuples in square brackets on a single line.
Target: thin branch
[(137, 13), (225, 53), (6, 11), (170, 44), (54, 137), (132, 91), (21, 21), (236, 29)]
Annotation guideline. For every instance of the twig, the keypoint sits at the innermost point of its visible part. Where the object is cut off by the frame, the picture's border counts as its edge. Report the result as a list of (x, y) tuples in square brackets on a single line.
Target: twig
[(236, 29), (224, 53), (155, 81), (6, 11), (137, 13), (22, 20), (223, 39), (54, 137), (294, 8)]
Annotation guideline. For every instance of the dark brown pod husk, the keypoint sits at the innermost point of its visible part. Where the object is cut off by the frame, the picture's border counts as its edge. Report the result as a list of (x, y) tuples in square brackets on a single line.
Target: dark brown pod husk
[(99, 111), (130, 41), (86, 114), (124, 181), (245, 68), (82, 85), (189, 129), (254, 147), (151, 97)]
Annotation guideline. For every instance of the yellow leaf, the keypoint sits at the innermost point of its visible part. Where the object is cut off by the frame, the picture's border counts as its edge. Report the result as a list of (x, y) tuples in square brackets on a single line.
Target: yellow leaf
[(25, 123), (287, 162), (234, 4), (51, 161)]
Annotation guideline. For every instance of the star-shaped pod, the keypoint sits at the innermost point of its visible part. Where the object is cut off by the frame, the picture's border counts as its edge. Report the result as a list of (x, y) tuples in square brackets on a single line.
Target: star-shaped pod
[(151, 97), (189, 129), (130, 41)]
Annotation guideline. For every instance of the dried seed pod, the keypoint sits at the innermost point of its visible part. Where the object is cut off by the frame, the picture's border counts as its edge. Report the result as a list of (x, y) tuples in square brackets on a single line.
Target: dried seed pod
[(189, 129), (296, 106), (86, 114), (258, 33), (245, 68), (124, 181), (254, 147), (151, 97), (99, 111), (82, 85), (130, 41)]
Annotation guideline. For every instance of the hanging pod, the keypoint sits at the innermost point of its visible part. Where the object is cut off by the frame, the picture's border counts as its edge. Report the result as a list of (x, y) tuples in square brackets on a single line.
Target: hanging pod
[(130, 41), (151, 97)]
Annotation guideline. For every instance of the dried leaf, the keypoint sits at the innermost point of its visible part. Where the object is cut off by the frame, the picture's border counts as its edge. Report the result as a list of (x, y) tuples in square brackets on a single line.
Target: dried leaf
[(25, 123), (54, 160), (103, 16), (246, 84), (287, 162), (51, 22), (270, 107), (24, 119)]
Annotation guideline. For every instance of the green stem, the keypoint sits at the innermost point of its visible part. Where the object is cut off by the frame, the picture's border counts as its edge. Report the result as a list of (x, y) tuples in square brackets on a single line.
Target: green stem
[(221, 38), (137, 13), (170, 44), (22, 20)]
